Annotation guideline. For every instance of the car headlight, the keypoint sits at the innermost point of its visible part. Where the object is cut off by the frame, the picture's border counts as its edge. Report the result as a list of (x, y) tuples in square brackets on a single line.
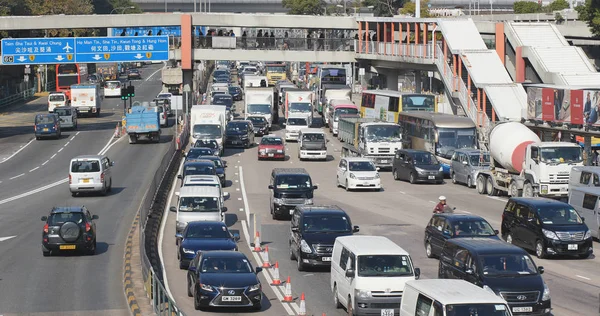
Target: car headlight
[(419, 170), (544, 189), (441, 169), (253, 288), (304, 247), (187, 250), (309, 201), (546, 295), (352, 176), (588, 234), (489, 289), (262, 151), (550, 234), (244, 136), (377, 176), (221, 175), (277, 201), (206, 287), (362, 293)]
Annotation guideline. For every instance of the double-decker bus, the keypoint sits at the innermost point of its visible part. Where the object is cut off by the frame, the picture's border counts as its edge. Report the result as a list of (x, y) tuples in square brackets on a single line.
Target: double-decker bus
[(329, 77), (68, 75), (387, 104), (439, 133)]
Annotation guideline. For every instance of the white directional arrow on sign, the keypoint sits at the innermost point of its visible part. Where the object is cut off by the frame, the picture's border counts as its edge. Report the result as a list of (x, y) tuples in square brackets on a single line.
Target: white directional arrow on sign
[(59, 58), (97, 57), (139, 56), (7, 238), (22, 59)]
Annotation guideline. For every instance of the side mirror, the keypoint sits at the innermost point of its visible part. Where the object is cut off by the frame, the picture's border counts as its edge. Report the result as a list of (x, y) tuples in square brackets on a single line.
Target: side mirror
[(95, 217), (583, 219), (355, 229), (226, 195), (271, 187), (224, 209), (192, 268), (540, 270), (465, 163), (343, 168), (112, 163), (236, 236), (377, 168), (180, 177), (496, 232), (439, 228), (177, 194), (417, 273), (469, 271), (179, 236), (446, 233), (44, 218), (349, 273), (258, 269), (173, 209), (315, 187)]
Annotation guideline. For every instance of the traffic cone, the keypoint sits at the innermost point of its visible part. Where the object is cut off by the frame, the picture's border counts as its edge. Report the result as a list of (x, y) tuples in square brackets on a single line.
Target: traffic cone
[(257, 243), (266, 263), (287, 296), (276, 280), (302, 311)]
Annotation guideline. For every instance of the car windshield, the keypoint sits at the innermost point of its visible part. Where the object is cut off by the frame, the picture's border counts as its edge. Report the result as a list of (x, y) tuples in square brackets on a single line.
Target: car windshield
[(293, 182), (325, 224), (455, 138), (299, 107), (234, 90), (205, 170), (222, 79), (382, 133), (477, 309), (207, 130), (425, 159), (56, 98), (559, 215), (275, 68), (194, 153), (479, 159), (225, 265), (207, 231), (313, 137), (507, 265), (198, 204), (361, 166), (44, 119), (218, 163), (472, 228), (236, 127), (57, 219), (113, 84), (384, 265), (257, 120), (212, 144), (259, 108), (222, 99), (271, 141), (297, 122), (555, 155), (164, 95), (344, 111), (62, 112), (85, 166)]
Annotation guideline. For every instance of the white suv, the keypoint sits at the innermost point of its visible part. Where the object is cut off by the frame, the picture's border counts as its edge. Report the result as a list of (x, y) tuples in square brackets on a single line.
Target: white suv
[(90, 173)]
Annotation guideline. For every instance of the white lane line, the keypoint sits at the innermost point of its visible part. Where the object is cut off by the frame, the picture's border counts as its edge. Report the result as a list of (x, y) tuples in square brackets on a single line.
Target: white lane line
[(7, 238), (34, 169), (16, 197), (22, 174), (154, 73), (110, 146), (237, 181), (60, 149), (241, 209), (53, 156), (102, 151), (45, 162), (76, 134), (580, 276), (239, 199), (237, 189), (402, 192), (66, 144), (16, 152), (432, 202)]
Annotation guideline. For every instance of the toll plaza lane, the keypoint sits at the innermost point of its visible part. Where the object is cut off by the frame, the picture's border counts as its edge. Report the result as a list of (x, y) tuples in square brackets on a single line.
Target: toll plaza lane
[(400, 213)]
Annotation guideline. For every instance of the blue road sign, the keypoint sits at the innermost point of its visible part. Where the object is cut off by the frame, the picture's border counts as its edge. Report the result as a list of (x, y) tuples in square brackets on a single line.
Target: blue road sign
[(33, 51)]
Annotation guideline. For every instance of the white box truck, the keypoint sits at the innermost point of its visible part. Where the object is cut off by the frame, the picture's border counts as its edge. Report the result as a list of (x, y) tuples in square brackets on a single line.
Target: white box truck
[(259, 101), (208, 122), (299, 103), (87, 98)]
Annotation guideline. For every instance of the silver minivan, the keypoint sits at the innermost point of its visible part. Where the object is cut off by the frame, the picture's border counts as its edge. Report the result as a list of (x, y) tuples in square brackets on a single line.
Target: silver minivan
[(67, 116), (90, 173), (465, 165)]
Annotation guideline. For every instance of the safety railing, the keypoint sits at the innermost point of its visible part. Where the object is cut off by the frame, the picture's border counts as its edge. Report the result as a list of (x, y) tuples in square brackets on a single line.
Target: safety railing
[(23, 96), (275, 43), (161, 302), (420, 51)]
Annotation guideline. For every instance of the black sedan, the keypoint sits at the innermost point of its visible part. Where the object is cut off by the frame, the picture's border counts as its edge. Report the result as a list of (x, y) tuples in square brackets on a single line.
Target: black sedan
[(236, 93), (203, 236), (197, 152), (134, 74), (223, 279), (261, 125), (209, 143)]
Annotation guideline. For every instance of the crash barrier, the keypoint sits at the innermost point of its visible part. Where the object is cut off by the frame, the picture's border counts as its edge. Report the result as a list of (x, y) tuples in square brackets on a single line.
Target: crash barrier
[(184, 134), (161, 302), (22, 96)]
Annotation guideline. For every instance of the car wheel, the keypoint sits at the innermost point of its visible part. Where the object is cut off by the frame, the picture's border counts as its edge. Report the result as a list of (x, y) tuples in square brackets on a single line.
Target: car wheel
[(480, 185), (257, 306), (104, 189), (299, 263), (411, 179), (181, 265), (528, 190), (349, 308), (190, 293), (336, 298), (347, 188), (395, 174), (453, 177), (584, 256), (73, 194), (273, 215), (469, 182), (92, 250), (509, 238), (292, 255), (196, 301), (490, 187), (428, 250), (540, 252), (110, 186)]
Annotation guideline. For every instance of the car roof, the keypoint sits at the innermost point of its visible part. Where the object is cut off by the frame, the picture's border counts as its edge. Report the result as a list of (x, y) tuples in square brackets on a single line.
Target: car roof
[(88, 157), (320, 209), (68, 209), (206, 223), (414, 151), (289, 171), (454, 292), (224, 254), (357, 159), (199, 162), (371, 245), (538, 201), (211, 157), (200, 148), (201, 178), (312, 131), (459, 217), (486, 246), (199, 191)]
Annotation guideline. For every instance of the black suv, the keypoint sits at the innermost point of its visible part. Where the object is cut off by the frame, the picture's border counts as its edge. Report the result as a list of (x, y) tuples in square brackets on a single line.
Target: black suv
[(289, 187), (500, 267), (546, 226), (69, 228), (313, 232), (239, 133)]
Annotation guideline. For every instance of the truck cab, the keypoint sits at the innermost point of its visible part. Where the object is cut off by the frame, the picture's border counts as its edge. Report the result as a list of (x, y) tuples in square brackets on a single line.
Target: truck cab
[(372, 139), (549, 164)]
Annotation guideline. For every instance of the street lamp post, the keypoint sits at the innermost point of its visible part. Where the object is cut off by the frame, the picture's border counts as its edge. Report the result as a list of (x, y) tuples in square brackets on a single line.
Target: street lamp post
[(122, 8)]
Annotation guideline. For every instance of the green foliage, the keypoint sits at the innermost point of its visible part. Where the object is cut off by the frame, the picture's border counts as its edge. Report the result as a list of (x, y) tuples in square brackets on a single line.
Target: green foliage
[(521, 7), (304, 7), (385, 7), (557, 5), (590, 13), (409, 8)]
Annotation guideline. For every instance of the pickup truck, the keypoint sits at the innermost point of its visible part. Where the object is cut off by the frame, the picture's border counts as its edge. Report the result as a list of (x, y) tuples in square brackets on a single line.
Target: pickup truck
[(142, 122)]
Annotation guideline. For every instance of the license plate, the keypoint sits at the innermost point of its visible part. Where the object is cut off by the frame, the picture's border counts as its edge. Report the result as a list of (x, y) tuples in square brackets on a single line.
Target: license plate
[(235, 143), (431, 177), (86, 180), (572, 247), (45, 129), (67, 247), (271, 155), (522, 309), (365, 183), (326, 258), (385, 161), (387, 312), (231, 299)]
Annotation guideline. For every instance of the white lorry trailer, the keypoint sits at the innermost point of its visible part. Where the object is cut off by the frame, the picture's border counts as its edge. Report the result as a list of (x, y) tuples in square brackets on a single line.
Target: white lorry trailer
[(259, 102), (299, 103), (523, 165), (208, 122)]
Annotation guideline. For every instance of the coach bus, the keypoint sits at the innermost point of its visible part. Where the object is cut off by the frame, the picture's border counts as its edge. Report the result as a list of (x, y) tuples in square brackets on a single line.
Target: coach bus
[(68, 75), (387, 104)]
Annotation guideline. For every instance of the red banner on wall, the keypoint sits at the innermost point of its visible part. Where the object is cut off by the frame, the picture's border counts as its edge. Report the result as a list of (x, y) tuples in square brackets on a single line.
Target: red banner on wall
[(577, 107), (547, 104)]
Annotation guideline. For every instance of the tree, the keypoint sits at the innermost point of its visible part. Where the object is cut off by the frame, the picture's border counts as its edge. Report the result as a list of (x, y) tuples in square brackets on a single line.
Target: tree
[(557, 5), (521, 7), (385, 7), (410, 8), (590, 13), (304, 7)]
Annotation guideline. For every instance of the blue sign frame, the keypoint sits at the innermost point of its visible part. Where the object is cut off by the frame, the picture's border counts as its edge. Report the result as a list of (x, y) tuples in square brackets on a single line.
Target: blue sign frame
[(35, 51)]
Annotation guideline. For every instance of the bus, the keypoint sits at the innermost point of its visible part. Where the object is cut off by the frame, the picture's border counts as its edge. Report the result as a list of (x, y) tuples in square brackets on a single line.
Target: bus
[(68, 75), (387, 104), (329, 77), (439, 133)]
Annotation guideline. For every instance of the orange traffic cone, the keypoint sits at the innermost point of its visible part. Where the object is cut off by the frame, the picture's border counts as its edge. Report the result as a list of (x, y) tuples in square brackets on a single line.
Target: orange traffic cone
[(266, 263), (287, 296), (257, 243), (302, 311), (276, 280)]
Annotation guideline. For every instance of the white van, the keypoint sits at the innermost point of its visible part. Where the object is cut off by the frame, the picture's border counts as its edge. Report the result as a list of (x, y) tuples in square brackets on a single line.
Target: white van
[(293, 125), (585, 201), (198, 203), (90, 173), (204, 181), (56, 99), (368, 274), (584, 176), (450, 298)]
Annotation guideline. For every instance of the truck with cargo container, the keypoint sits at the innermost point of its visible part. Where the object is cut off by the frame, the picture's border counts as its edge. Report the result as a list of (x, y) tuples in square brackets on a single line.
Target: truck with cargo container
[(87, 98), (208, 122), (370, 138), (259, 101), (172, 80), (253, 81), (143, 122), (329, 92), (109, 71), (523, 165), (299, 103)]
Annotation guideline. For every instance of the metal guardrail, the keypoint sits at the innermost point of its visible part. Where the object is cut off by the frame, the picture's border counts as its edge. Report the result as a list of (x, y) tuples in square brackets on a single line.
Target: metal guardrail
[(23, 96)]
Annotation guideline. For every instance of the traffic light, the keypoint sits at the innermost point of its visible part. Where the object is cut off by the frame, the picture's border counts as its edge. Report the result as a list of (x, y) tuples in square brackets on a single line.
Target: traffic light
[(124, 94), (131, 91)]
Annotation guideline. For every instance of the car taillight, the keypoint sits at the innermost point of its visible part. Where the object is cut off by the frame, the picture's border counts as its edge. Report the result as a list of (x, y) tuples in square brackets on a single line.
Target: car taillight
[(102, 177), (70, 179), (87, 227), (35, 127), (55, 126), (46, 228)]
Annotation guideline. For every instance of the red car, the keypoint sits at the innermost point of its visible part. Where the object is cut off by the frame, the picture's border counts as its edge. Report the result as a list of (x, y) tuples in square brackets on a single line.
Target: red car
[(271, 147)]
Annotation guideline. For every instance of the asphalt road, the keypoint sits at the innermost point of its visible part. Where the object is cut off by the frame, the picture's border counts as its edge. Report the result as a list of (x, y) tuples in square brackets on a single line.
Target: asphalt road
[(71, 283), (400, 212)]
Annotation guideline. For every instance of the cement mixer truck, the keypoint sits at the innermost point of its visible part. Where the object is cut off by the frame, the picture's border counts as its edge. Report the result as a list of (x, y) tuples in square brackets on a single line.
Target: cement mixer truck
[(523, 165)]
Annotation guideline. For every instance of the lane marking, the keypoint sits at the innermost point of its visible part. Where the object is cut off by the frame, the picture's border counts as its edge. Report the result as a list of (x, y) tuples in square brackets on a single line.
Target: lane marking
[(7, 238), (34, 169), (53, 156), (77, 133), (22, 174), (432, 202), (60, 149), (577, 275), (154, 73), (16, 152), (67, 144), (45, 162), (402, 192), (241, 209), (237, 189), (239, 199), (46, 187)]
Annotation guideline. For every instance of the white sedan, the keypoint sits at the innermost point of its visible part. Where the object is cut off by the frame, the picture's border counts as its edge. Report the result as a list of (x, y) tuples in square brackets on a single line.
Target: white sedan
[(358, 173)]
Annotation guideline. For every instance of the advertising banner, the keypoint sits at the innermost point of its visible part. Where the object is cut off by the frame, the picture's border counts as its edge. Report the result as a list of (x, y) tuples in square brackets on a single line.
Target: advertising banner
[(549, 111), (577, 107), (563, 105)]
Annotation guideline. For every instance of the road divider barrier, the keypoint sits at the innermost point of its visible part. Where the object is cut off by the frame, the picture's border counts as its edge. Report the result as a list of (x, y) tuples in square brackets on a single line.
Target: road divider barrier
[(287, 295), (275, 272), (265, 255), (302, 311), (257, 244)]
